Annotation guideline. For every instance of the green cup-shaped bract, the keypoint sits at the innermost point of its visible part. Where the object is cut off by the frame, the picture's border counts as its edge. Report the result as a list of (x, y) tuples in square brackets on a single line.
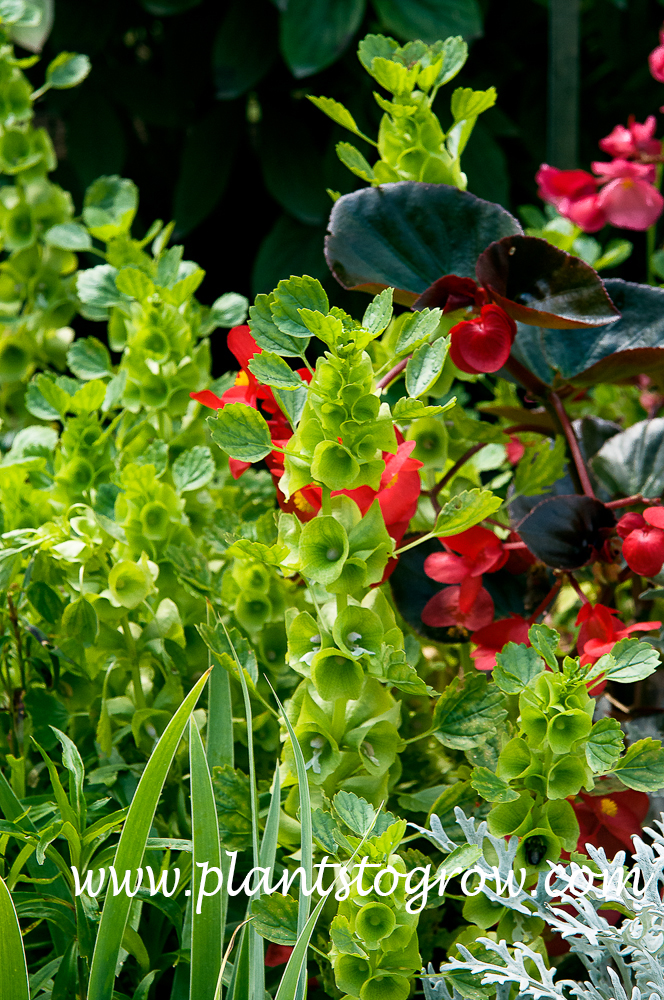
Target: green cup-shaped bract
[(323, 549), (321, 753), (334, 466), (129, 583), (566, 728), (514, 759), (14, 361), (431, 437), (155, 520), (273, 645), (154, 343), (559, 815), (352, 579), (378, 747), (511, 817), (154, 390), (533, 720), (374, 922), (385, 987), (78, 474), (351, 973), (252, 609), (539, 846), (336, 675), (252, 576), (565, 778), (358, 631)]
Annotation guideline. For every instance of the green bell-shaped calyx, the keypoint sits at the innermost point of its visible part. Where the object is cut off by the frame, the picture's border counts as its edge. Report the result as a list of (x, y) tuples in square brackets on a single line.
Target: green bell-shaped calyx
[(565, 728), (323, 549), (336, 675), (374, 922)]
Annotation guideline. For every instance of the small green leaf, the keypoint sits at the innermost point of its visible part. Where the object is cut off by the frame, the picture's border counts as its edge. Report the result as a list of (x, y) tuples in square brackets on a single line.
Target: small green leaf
[(465, 510), (193, 469), (68, 236), (88, 358), (356, 163), (290, 296), (45, 399), (491, 787), (134, 283), (275, 918), (616, 252), (272, 370), (469, 103), (109, 207), (416, 328), (466, 716), (79, 621), (425, 366), (229, 310), (355, 812), (604, 746), (96, 287), (642, 767), (343, 939), (516, 666), (378, 313), (629, 661), (292, 403), (242, 432), (68, 69), (338, 113), (267, 335), (46, 601), (540, 467), (88, 398)]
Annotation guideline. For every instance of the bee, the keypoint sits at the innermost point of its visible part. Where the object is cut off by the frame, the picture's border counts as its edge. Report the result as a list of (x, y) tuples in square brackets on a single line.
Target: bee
[(535, 849)]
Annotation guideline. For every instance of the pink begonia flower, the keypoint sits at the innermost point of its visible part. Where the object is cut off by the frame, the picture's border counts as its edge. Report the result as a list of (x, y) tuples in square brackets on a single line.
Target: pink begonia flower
[(631, 203), (632, 141), (656, 59)]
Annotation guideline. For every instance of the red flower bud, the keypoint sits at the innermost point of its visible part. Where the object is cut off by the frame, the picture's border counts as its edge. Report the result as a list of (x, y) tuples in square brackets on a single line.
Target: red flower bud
[(654, 516), (643, 550), (483, 344)]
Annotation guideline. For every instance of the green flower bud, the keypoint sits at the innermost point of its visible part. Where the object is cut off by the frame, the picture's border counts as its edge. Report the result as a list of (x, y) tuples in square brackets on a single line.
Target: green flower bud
[(566, 728), (130, 583), (431, 437), (385, 987), (273, 645), (323, 549), (336, 675), (77, 474), (374, 922), (155, 520), (154, 343), (252, 609), (334, 466)]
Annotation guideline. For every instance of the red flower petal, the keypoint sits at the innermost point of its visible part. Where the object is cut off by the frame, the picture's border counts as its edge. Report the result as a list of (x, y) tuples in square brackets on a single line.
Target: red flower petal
[(643, 550), (654, 516), (484, 344), (207, 398), (492, 638), (443, 610), (628, 522), (241, 343)]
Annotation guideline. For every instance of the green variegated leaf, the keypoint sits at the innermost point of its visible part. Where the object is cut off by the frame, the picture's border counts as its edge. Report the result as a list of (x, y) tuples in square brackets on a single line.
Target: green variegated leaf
[(604, 746), (491, 787), (466, 716), (272, 370), (464, 511), (241, 432), (425, 366)]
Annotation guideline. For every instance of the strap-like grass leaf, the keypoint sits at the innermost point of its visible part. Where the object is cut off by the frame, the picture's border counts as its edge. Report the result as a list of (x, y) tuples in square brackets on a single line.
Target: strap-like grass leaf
[(14, 974), (206, 930)]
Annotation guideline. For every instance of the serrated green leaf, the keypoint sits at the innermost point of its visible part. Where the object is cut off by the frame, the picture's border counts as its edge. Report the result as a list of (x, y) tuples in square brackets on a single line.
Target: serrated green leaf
[(292, 403), (425, 366), (275, 918), (356, 812), (272, 370), (516, 666), (469, 103), (241, 431), (96, 287), (88, 358), (464, 511), (604, 746), (629, 661), (229, 310), (343, 939), (135, 283), (406, 408), (293, 294), (46, 400), (378, 313), (545, 640), (466, 716), (642, 767), (68, 236), (109, 208), (540, 467), (267, 335), (416, 328), (339, 114), (356, 163), (193, 469), (491, 787), (88, 398)]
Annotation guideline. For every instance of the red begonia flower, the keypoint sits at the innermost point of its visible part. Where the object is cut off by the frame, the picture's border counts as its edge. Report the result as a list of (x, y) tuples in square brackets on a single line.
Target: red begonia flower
[(631, 203), (451, 292), (643, 550), (632, 141), (483, 344), (628, 523), (515, 449), (492, 638), (277, 954), (654, 516), (600, 631), (469, 606), (610, 821), (560, 186), (624, 168), (656, 60), (479, 551)]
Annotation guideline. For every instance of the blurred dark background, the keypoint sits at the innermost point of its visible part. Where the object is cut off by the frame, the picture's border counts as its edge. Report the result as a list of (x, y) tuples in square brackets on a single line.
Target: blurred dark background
[(202, 103)]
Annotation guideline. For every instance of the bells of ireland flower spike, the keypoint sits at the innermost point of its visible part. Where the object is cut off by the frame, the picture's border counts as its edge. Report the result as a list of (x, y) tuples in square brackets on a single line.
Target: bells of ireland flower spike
[(252, 609), (336, 675), (566, 777), (374, 922), (430, 436), (358, 631), (565, 728), (385, 986), (350, 973), (323, 549), (334, 466), (512, 817)]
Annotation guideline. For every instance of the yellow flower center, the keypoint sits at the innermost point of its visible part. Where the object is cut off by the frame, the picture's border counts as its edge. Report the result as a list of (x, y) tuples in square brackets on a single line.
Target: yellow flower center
[(608, 807), (392, 481), (302, 503), (242, 378)]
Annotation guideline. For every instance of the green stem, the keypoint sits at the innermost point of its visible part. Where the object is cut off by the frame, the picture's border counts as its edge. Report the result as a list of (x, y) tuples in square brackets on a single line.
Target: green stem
[(418, 541), (342, 602), (139, 697), (326, 500), (339, 719)]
